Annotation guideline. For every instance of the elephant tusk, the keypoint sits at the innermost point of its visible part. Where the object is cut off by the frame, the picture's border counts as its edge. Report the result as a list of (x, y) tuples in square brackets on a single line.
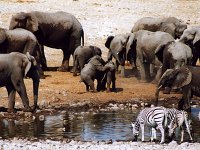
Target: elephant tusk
[(159, 87)]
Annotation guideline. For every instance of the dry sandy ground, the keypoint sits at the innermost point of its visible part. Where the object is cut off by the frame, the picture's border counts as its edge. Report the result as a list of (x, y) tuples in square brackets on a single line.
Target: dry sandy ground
[(99, 19)]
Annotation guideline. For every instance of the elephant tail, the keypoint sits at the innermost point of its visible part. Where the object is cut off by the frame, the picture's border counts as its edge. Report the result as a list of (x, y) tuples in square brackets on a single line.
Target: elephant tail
[(82, 36)]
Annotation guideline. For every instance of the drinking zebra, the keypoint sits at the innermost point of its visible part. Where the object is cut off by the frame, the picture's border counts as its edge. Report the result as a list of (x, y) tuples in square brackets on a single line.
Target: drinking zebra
[(155, 118), (161, 118), (178, 118)]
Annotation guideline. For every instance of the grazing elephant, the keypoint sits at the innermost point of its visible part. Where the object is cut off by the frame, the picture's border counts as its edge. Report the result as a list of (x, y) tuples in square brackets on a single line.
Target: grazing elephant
[(109, 77), (191, 37), (82, 54), (120, 47), (95, 69), (174, 55), (58, 30), (23, 41), (147, 43), (14, 67), (187, 78), (171, 25)]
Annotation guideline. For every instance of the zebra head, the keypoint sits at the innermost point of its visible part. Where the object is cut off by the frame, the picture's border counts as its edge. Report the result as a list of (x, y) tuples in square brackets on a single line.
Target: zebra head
[(171, 127), (135, 131)]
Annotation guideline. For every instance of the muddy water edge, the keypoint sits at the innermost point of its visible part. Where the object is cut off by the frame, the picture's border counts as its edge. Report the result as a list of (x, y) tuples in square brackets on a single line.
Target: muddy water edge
[(86, 122)]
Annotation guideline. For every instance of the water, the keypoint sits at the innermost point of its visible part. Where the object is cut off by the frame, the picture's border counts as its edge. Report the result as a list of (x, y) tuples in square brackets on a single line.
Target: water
[(115, 125)]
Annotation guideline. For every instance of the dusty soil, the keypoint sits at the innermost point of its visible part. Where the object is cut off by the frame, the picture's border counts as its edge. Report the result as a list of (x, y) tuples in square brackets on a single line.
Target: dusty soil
[(99, 19)]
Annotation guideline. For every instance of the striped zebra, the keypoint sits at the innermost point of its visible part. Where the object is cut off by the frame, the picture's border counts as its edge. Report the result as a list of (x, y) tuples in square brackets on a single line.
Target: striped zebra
[(155, 118), (177, 118)]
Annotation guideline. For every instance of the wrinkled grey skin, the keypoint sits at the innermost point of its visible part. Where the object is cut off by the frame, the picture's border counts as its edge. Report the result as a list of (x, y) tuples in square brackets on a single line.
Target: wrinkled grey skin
[(109, 77), (174, 55), (147, 43), (14, 67), (58, 30), (187, 78), (23, 41), (120, 47), (82, 54), (171, 25), (191, 37), (95, 69)]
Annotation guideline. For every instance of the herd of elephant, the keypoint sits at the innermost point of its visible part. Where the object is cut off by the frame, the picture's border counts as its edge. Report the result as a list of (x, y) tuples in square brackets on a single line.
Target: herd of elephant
[(159, 48)]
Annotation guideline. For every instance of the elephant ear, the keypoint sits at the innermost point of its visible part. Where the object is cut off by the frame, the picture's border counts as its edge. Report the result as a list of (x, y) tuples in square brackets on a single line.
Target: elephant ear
[(168, 28), (160, 50), (32, 22), (196, 38), (183, 77), (130, 42), (2, 35), (97, 61), (108, 41)]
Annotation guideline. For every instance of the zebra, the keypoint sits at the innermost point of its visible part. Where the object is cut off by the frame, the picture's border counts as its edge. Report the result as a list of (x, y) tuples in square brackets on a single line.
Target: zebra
[(177, 118), (154, 117)]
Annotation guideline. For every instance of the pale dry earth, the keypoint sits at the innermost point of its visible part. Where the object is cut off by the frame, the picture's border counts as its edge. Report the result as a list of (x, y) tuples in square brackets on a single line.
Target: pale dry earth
[(99, 19)]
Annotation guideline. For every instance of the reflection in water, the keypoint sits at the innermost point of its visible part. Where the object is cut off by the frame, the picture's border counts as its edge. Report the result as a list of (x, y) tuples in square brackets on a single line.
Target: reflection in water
[(83, 126)]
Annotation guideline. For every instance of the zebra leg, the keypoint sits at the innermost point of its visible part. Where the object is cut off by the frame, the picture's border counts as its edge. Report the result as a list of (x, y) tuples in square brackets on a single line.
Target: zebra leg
[(162, 134), (142, 131), (153, 134), (182, 134)]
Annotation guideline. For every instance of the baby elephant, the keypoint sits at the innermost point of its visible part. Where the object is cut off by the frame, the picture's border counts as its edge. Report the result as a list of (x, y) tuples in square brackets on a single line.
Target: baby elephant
[(95, 69), (109, 77), (82, 54)]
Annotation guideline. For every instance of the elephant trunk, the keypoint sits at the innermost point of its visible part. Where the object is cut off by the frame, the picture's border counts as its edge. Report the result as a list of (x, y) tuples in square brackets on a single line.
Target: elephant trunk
[(35, 93), (117, 57), (157, 95)]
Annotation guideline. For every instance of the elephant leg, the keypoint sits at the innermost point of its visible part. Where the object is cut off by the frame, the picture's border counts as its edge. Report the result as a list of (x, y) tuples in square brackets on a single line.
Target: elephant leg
[(123, 72), (141, 68), (87, 86), (21, 90), (42, 58), (65, 62), (90, 83), (147, 70), (158, 75), (108, 80), (11, 96), (75, 66), (99, 84), (117, 66)]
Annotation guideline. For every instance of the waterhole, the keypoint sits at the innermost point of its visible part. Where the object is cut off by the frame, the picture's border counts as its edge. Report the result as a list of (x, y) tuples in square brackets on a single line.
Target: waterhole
[(85, 126)]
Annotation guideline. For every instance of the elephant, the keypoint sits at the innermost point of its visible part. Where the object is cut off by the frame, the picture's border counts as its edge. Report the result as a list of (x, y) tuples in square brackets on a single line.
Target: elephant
[(174, 55), (187, 78), (118, 46), (171, 25), (95, 69), (14, 67), (60, 30), (109, 77), (23, 41), (147, 43), (191, 37), (82, 54)]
